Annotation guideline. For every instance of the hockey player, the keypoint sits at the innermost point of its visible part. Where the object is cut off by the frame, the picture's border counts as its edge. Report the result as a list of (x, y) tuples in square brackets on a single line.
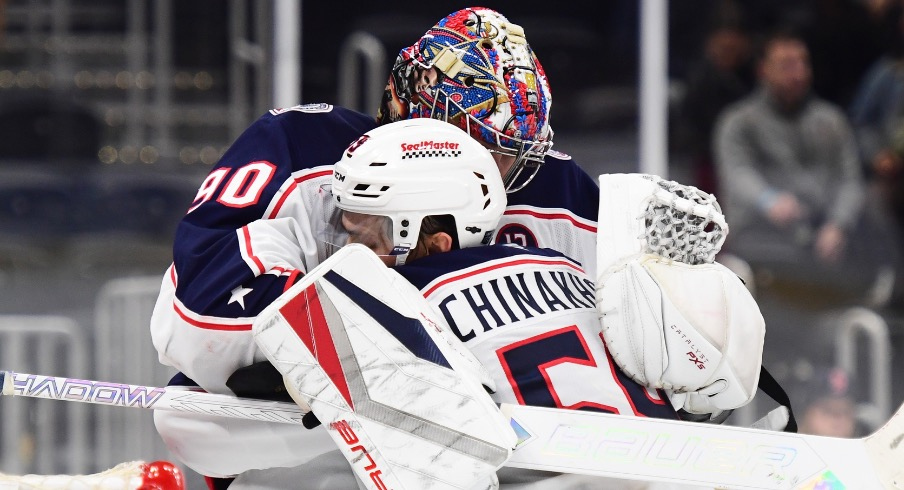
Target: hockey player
[(259, 219), (527, 314), (452, 70)]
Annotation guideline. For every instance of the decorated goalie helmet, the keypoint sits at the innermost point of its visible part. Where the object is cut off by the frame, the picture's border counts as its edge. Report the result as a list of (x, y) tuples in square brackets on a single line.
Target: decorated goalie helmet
[(475, 69), (408, 170)]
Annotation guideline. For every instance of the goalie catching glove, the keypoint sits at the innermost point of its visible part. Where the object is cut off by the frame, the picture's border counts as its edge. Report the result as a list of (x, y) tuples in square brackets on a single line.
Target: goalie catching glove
[(672, 317)]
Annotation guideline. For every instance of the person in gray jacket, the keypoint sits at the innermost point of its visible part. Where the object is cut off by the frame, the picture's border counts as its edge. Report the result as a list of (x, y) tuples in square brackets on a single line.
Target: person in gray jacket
[(787, 163)]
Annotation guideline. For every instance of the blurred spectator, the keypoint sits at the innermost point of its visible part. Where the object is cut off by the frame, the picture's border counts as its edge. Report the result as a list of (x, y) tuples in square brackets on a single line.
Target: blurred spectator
[(877, 114), (826, 404), (723, 75), (787, 161)]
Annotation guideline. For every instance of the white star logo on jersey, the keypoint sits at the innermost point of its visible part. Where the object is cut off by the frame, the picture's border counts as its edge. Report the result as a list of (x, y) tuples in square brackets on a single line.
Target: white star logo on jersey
[(238, 296)]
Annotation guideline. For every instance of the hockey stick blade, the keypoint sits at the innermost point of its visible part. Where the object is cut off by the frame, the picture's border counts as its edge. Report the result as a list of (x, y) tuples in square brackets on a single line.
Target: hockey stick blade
[(571, 441), (634, 448)]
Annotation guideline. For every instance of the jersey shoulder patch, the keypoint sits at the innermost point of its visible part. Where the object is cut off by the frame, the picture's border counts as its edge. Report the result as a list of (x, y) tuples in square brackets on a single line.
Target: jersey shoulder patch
[(310, 108), (558, 154)]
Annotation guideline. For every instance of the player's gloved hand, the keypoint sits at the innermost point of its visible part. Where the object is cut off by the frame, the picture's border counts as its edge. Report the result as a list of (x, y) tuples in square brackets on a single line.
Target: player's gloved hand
[(260, 380), (309, 420)]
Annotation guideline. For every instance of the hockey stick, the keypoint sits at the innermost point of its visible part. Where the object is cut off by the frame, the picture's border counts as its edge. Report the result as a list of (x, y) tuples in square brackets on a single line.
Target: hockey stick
[(135, 396), (571, 441)]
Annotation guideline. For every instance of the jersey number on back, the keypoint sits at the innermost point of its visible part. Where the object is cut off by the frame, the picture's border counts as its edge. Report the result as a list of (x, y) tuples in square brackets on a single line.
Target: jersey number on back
[(558, 369), (244, 187)]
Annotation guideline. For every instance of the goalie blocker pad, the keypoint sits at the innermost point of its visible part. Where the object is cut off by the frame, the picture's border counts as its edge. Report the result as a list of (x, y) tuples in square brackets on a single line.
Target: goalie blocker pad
[(403, 401), (684, 328)]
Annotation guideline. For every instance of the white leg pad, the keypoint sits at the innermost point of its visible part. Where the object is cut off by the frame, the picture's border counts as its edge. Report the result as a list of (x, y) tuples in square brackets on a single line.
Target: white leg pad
[(364, 349)]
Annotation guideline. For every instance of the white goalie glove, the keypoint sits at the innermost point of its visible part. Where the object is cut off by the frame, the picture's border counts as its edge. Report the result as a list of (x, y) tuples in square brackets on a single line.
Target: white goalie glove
[(672, 317)]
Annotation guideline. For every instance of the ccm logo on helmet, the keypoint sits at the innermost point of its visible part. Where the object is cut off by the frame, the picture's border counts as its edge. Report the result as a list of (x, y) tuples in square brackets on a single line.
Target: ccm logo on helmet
[(338, 176)]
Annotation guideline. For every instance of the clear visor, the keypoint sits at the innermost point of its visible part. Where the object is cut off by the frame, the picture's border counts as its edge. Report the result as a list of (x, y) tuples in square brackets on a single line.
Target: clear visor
[(372, 231), (528, 154)]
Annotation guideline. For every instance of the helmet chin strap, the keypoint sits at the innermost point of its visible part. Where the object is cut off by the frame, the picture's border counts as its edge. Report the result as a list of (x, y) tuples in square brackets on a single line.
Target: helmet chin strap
[(402, 256), (400, 252)]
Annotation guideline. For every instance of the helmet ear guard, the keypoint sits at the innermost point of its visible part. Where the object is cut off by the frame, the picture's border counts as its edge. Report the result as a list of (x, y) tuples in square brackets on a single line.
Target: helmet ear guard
[(489, 84), (412, 169)]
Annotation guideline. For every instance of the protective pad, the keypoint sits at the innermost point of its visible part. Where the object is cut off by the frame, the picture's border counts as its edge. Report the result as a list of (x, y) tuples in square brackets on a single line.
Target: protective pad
[(401, 398), (671, 317), (686, 328)]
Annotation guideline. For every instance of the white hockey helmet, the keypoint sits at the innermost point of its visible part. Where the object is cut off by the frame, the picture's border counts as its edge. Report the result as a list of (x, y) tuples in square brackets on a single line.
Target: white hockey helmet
[(411, 169)]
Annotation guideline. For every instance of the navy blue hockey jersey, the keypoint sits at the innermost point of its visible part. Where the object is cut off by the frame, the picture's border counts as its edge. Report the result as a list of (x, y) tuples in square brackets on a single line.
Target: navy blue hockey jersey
[(557, 210), (261, 218), (528, 315)]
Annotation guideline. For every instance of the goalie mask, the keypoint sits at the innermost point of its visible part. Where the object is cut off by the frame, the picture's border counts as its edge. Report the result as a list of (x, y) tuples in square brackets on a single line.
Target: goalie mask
[(408, 170), (475, 69)]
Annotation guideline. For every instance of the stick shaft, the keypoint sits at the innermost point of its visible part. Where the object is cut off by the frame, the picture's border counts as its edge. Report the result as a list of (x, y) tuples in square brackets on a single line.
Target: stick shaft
[(137, 396), (573, 441)]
